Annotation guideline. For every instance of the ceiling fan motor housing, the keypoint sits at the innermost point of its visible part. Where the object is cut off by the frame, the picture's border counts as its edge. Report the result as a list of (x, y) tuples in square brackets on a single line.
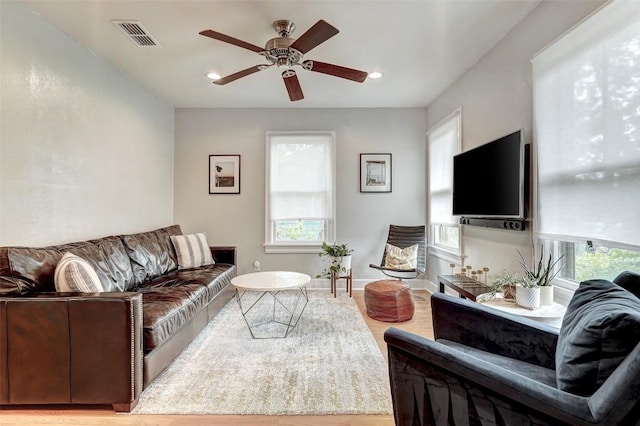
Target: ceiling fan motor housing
[(278, 52)]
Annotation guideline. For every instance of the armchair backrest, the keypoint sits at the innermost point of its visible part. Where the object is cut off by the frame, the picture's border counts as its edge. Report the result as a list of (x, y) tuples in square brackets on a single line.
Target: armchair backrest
[(405, 236)]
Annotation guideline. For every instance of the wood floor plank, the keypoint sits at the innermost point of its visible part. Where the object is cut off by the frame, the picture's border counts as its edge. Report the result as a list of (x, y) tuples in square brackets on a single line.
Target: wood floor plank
[(99, 416)]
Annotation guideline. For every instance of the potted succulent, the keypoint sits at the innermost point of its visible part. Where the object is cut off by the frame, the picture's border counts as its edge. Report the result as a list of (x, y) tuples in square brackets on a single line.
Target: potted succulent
[(339, 256), (506, 283), (536, 281)]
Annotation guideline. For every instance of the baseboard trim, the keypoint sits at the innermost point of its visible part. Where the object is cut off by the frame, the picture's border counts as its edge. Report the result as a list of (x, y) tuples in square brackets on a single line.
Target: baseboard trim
[(358, 284)]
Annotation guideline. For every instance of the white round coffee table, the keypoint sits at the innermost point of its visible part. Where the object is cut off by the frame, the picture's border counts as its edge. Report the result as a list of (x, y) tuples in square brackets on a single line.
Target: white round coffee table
[(288, 294)]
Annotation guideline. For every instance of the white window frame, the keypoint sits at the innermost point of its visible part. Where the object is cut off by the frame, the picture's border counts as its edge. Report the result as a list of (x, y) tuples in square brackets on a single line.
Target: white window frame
[(436, 247), (272, 246)]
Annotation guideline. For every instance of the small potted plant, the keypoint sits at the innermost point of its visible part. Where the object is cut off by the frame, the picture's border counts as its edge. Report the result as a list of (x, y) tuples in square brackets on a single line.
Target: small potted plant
[(339, 256), (536, 277)]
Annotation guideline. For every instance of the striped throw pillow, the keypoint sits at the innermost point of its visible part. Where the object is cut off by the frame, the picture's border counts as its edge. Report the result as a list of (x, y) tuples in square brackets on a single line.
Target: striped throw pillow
[(401, 259), (74, 274), (192, 250)]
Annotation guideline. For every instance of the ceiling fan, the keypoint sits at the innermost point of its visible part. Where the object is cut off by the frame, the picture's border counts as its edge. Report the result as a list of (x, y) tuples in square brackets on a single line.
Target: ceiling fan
[(285, 53)]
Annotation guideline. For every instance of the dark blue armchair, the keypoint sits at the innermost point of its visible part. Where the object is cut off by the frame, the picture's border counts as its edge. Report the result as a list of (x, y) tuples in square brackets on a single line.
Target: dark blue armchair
[(487, 367)]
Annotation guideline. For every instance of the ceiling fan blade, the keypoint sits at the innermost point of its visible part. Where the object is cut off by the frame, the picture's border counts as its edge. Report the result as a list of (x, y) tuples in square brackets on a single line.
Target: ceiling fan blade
[(293, 85), (320, 32), (231, 40), (335, 70), (240, 74)]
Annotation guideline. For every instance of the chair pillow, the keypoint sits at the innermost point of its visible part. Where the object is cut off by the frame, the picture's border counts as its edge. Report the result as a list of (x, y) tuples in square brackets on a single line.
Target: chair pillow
[(75, 274), (192, 250), (600, 328), (401, 259), (630, 281)]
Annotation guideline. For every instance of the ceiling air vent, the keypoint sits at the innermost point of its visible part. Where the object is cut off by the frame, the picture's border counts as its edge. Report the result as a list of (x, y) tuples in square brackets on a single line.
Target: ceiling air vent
[(137, 33)]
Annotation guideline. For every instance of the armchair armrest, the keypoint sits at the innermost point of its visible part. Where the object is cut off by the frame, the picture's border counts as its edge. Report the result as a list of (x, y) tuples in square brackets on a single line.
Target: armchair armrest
[(224, 254), (64, 348), (491, 330)]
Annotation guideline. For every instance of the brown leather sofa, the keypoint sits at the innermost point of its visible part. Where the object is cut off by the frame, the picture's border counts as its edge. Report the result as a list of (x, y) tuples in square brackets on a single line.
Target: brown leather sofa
[(102, 348)]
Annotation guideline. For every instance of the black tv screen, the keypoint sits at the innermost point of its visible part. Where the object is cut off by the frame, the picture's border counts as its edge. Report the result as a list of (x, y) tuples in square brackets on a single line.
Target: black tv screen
[(488, 181)]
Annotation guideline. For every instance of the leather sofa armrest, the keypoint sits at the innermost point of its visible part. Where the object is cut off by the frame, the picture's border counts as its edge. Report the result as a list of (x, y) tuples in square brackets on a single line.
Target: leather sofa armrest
[(491, 330), (224, 254), (69, 348)]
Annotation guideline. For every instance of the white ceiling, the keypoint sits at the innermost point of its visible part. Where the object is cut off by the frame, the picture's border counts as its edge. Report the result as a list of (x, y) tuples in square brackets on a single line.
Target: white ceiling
[(420, 46)]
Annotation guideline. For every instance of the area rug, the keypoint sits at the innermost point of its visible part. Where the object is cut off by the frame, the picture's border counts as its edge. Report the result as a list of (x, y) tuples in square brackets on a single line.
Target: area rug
[(329, 364)]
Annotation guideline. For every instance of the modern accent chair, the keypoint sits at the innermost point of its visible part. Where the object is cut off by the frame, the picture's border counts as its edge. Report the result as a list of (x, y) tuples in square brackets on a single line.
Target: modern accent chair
[(492, 368), (404, 237)]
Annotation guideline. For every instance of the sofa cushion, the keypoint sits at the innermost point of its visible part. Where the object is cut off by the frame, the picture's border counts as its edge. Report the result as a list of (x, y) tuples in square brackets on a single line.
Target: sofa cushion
[(630, 281), (36, 265), (151, 253), (173, 299), (192, 250), (599, 329), (109, 259), (401, 259), (76, 275), (532, 371)]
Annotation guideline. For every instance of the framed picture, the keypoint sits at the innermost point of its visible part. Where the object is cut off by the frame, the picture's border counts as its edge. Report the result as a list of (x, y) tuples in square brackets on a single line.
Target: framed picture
[(224, 174), (375, 172)]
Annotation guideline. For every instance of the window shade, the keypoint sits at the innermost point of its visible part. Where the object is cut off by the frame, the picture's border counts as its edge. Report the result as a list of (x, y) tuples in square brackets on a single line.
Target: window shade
[(444, 143), (587, 129), (301, 176)]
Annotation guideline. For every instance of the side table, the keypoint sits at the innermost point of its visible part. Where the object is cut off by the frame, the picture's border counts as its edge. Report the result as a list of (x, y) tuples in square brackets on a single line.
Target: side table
[(551, 315), (466, 287), (334, 280)]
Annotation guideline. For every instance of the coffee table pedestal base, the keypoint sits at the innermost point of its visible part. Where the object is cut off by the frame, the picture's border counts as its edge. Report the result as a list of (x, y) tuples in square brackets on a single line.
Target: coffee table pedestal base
[(272, 314)]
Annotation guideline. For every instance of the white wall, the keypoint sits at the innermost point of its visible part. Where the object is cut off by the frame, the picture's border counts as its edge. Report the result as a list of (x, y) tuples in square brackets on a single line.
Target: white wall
[(84, 151), (496, 99), (362, 218)]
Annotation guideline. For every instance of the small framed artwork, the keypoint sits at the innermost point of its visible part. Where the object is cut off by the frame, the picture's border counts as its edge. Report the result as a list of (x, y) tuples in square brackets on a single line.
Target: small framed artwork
[(375, 172), (224, 174)]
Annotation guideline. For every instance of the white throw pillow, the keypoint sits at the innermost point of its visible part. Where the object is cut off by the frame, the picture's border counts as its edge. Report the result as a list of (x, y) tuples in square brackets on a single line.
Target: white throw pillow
[(401, 259), (192, 250), (75, 274)]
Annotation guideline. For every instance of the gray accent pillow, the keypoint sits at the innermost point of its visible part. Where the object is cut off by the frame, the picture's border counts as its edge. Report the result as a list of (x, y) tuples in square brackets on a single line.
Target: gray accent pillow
[(630, 281), (600, 328)]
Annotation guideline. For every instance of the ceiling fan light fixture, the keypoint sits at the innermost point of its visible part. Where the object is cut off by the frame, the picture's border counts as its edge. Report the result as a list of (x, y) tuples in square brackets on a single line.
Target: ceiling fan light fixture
[(213, 76), (375, 75)]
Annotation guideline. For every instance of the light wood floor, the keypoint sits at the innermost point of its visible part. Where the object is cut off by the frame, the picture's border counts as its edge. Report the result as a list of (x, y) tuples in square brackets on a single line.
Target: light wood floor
[(420, 324)]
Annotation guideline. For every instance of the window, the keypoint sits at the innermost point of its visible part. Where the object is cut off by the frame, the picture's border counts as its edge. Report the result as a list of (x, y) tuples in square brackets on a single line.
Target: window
[(300, 191), (443, 143), (587, 127), (583, 261)]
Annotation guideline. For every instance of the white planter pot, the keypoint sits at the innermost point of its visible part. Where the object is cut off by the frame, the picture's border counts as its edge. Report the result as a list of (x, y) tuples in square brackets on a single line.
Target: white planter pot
[(528, 297), (345, 265), (546, 295)]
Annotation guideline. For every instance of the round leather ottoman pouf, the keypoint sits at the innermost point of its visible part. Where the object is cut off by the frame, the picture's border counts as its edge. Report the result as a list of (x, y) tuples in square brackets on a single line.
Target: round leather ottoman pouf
[(389, 300)]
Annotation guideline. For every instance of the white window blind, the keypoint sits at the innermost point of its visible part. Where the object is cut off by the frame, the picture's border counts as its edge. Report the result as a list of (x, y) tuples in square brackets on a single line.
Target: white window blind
[(443, 144), (587, 129), (300, 182)]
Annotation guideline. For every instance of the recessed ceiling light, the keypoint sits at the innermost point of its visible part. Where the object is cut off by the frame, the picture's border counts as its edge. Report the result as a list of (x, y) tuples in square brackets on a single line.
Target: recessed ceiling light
[(375, 74), (213, 76)]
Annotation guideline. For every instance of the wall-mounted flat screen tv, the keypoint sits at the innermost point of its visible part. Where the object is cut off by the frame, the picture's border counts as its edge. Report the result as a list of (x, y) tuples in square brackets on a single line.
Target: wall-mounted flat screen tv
[(488, 181)]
